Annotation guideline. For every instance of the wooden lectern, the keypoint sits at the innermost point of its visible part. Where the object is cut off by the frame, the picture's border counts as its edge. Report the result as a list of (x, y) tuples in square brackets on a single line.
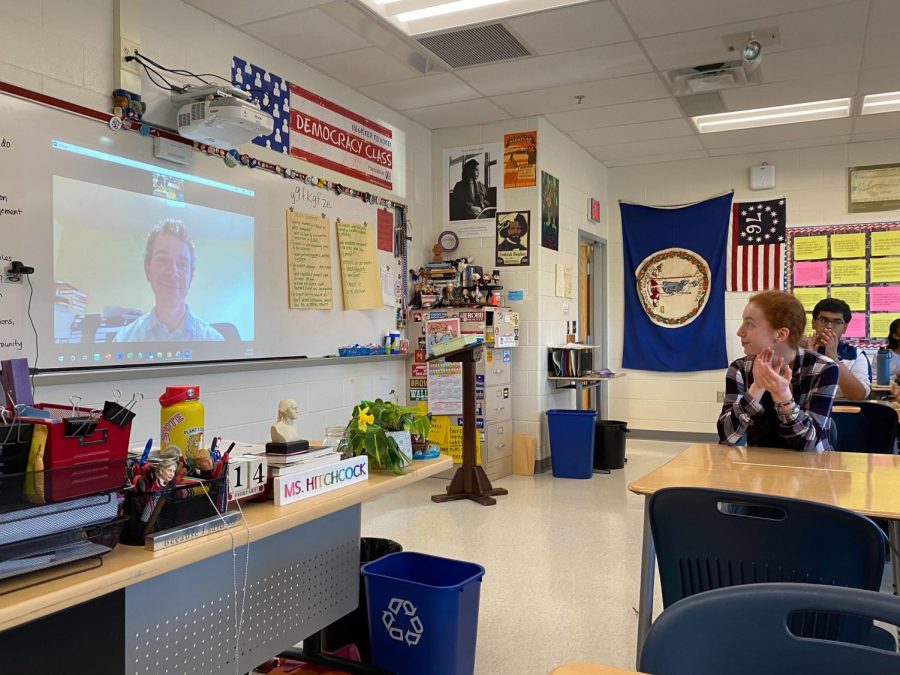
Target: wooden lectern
[(470, 481)]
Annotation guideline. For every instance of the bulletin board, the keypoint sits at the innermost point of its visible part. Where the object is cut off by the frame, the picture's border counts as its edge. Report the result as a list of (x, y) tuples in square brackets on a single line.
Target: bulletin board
[(78, 197), (859, 264)]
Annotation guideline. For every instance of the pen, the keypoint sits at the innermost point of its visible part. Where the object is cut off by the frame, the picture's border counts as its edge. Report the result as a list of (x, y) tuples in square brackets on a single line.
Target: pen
[(146, 453), (212, 447)]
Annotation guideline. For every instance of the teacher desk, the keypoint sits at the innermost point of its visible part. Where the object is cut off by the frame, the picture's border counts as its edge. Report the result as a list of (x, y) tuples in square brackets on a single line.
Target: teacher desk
[(178, 609)]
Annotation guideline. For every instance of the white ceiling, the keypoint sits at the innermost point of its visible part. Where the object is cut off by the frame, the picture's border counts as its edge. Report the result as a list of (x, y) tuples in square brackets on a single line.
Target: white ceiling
[(613, 53)]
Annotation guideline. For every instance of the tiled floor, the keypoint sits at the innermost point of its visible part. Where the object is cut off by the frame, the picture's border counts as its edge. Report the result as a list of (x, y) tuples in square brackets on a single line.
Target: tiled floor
[(562, 560)]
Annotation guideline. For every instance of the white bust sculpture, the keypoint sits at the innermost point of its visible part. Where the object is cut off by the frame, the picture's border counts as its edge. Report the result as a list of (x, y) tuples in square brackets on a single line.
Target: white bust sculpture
[(283, 430)]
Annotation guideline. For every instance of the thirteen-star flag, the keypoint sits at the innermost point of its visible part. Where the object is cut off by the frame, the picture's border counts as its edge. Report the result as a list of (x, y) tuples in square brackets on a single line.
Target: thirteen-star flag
[(756, 246)]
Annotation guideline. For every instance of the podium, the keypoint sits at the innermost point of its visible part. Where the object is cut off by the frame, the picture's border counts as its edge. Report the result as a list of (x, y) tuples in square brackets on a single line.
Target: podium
[(470, 481)]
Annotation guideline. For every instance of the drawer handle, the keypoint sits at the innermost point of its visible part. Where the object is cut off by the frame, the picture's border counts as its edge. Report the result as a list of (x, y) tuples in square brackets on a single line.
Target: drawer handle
[(501, 445), (498, 372), (499, 408)]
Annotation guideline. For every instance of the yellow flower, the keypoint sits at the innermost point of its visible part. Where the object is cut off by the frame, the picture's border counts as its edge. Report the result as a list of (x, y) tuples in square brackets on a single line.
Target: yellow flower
[(365, 419), (422, 408)]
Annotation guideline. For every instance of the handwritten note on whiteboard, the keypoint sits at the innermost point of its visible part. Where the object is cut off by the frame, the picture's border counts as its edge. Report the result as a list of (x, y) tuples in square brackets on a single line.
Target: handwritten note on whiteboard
[(359, 275), (309, 261)]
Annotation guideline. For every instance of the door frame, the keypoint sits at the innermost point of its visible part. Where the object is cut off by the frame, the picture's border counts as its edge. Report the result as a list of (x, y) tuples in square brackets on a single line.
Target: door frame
[(599, 319)]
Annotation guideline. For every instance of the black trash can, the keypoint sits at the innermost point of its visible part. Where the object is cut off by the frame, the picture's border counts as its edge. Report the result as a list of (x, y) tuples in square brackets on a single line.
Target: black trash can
[(354, 628), (609, 444)]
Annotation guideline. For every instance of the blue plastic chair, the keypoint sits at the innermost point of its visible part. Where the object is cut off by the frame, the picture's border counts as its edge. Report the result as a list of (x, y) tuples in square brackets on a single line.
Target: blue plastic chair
[(708, 539), (745, 631), (864, 426)]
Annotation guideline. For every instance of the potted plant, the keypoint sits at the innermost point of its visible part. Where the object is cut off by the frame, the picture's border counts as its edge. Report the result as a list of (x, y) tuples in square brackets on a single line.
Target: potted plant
[(383, 430)]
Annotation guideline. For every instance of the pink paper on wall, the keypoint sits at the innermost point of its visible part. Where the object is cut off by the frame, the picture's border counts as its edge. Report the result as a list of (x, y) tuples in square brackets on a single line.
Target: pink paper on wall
[(811, 273), (884, 298), (857, 326)]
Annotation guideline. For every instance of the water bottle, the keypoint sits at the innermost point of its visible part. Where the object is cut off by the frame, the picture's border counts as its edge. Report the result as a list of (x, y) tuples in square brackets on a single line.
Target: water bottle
[(883, 366)]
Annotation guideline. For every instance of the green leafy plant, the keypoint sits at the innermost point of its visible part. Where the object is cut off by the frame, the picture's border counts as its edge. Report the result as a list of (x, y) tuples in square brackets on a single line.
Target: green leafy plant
[(368, 427)]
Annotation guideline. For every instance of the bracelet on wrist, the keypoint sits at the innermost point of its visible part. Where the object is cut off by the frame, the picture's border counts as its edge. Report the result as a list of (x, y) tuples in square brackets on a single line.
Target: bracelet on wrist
[(786, 405)]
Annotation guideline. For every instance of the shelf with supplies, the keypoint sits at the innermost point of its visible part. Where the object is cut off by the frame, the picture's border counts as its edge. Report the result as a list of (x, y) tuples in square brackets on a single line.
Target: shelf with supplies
[(498, 330), (570, 360)]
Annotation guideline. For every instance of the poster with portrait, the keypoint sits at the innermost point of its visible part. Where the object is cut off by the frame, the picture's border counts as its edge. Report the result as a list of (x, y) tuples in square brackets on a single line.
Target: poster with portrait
[(520, 159), (513, 241), (549, 211), (473, 188)]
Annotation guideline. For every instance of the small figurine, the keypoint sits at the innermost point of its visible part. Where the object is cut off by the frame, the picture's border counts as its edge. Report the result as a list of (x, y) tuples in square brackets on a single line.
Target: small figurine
[(438, 251), (199, 460), (283, 430), (157, 478)]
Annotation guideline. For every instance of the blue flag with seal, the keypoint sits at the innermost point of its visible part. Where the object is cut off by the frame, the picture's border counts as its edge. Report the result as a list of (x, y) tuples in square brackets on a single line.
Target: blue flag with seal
[(675, 285)]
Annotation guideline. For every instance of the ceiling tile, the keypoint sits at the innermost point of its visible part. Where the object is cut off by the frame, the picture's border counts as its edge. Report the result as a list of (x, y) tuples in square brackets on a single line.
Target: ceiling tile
[(874, 136), (889, 122), (364, 67), (307, 34), (797, 91), (800, 63), (799, 30), (547, 71), (661, 17), (563, 30), (632, 132), (781, 145), (884, 17), (604, 92), (881, 51), (421, 92), (879, 80), (592, 118), (785, 132), (239, 12), (672, 157), (465, 113), (646, 148)]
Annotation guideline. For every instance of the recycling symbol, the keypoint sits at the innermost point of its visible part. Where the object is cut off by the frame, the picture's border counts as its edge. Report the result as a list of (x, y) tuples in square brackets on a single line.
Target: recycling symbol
[(390, 616)]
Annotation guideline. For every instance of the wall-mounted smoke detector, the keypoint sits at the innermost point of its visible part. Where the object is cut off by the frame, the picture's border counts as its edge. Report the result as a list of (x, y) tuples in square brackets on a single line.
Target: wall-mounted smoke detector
[(714, 77)]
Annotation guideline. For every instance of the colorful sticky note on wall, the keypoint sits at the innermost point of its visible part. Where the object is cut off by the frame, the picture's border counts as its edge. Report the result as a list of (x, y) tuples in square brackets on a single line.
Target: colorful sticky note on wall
[(811, 273), (857, 326), (855, 296), (880, 324), (811, 248), (884, 298), (884, 269), (848, 245), (810, 296), (848, 271), (885, 243)]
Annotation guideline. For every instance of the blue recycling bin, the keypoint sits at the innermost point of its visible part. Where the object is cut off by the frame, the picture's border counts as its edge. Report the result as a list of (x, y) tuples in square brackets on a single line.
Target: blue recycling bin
[(423, 613), (572, 442)]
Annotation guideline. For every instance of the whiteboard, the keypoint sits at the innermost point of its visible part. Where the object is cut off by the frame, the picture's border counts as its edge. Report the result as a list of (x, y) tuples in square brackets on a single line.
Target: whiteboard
[(77, 201)]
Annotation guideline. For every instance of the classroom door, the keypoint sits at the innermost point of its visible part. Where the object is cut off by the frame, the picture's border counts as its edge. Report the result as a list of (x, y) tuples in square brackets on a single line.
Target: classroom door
[(585, 303)]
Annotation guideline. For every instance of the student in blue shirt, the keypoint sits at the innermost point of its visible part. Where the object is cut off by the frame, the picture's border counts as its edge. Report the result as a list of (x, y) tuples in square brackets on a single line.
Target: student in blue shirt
[(170, 262)]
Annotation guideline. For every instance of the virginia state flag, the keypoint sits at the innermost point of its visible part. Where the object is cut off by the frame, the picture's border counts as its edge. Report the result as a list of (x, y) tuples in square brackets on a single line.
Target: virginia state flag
[(675, 285)]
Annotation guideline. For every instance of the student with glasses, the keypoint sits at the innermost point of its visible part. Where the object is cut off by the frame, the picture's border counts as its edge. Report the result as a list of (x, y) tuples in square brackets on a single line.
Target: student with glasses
[(830, 319)]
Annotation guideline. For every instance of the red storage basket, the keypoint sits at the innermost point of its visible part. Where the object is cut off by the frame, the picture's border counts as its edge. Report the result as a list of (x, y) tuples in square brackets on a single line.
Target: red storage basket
[(85, 456)]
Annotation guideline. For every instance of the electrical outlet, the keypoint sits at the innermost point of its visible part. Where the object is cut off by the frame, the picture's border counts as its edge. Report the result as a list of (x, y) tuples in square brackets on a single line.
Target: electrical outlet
[(128, 48), (720, 397)]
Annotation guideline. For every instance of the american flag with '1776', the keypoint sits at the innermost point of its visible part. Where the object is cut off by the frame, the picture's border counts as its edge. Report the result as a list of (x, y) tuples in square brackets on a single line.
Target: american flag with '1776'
[(756, 246)]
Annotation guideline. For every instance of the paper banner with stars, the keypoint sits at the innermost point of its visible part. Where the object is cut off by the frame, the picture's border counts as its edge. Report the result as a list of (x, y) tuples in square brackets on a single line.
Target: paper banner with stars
[(756, 246)]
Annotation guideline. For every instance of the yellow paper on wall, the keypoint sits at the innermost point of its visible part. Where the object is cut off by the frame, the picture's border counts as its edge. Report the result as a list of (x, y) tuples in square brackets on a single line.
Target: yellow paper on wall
[(449, 436), (880, 323), (360, 280), (848, 271), (885, 243), (811, 248), (884, 269), (810, 296), (848, 245), (309, 261), (855, 296)]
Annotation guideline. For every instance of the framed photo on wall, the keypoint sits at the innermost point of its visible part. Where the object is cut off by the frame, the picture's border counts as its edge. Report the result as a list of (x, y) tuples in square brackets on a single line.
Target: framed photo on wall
[(513, 240), (873, 188)]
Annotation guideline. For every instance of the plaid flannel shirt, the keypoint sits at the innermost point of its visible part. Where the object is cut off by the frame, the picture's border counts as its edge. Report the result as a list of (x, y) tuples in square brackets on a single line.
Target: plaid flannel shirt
[(813, 383)]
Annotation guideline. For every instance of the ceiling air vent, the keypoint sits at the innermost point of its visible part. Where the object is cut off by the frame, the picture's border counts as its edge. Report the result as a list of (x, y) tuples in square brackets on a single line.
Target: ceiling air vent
[(474, 46), (714, 77)]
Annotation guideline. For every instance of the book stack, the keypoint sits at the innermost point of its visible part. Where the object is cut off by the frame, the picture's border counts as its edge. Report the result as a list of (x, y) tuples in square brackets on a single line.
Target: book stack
[(314, 457), (453, 344), (441, 274)]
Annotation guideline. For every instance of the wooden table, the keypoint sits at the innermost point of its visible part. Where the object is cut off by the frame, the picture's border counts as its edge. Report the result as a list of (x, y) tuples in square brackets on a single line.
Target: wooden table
[(867, 484), (847, 406), (582, 383), (303, 556), (591, 669)]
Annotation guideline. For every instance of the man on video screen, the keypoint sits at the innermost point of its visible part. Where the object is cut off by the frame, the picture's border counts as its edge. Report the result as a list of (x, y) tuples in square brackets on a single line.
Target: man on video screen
[(170, 262)]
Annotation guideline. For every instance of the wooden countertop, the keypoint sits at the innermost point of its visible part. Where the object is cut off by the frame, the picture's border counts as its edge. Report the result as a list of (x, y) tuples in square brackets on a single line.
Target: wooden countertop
[(591, 669), (126, 565), (867, 484)]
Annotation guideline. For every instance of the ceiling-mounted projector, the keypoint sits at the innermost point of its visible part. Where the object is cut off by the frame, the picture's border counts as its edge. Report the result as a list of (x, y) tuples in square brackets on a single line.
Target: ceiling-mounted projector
[(221, 116)]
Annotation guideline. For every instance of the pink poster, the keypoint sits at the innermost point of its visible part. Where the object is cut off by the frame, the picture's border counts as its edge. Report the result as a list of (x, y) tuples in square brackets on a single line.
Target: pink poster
[(811, 273), (884, 298), (857, 326)]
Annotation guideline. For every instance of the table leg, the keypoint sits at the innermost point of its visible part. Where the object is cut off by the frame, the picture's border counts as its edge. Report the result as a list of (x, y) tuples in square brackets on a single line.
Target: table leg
[(648, 570), (578, 390), (894, 535)]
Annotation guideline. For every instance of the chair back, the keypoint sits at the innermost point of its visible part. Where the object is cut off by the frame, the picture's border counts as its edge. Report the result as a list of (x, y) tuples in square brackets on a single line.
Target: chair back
[(746, 630), (865, 426), (707, 539)]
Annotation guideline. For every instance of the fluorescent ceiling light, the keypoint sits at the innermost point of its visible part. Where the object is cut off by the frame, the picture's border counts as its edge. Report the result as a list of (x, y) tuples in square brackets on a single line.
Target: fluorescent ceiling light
[(768, 117), (881, 103), (446, 8)]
